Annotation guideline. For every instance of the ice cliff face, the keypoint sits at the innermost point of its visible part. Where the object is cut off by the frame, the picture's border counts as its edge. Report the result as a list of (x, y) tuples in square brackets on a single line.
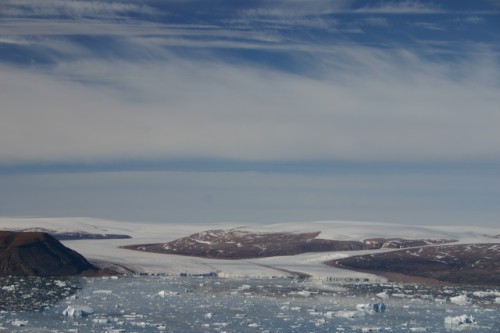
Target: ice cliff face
[(39, 254)]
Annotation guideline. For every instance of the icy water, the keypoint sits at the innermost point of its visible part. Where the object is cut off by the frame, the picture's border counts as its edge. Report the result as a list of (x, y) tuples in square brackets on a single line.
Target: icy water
[(189, 304)]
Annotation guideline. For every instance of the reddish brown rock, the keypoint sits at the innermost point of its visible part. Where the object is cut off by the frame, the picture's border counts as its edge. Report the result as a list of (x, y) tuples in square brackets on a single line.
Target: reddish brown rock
[(39, 254), (476, 264), (242, 244)]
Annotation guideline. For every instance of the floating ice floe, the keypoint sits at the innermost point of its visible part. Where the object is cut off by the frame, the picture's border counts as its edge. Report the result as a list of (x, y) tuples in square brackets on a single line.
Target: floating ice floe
[(345, 314), (19, 323), (371, 329), (462, 321), (9, 288), (320, 322), (101, 321), (497, 300), (383, 295), (60, 283), (105, 292), (371, 307), (78, 311), (460, 300), (244, 287), (486, 293), (165, 293)]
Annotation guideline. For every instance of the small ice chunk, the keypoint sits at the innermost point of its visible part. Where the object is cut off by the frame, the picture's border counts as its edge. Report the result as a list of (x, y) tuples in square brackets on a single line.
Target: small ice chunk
[(304, 293), (19, 323), (60, 283), (106, 292), (100, 321), (497, 300), (165, 293), (78, 311), (320, 322), (329, 314), (371, 329), (245, 287), (209, 315), (460, 300), (371, 307), (463, 320), (383, 295), (363, 307), (486, 293), (348, 314)]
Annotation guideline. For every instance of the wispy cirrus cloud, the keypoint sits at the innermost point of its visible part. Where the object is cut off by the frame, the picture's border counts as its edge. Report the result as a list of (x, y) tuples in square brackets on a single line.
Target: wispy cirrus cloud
[(73, 9), (14, 41), (187, 108), (129, 77), (402, 7), (375, 21)]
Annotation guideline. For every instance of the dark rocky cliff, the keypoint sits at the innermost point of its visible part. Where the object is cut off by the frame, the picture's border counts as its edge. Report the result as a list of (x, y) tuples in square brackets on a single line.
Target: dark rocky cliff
[(39, 254)]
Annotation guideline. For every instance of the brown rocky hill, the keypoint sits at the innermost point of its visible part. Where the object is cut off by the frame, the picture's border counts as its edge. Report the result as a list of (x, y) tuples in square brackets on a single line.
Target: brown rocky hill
[(477, 264), (242, 244), (39, 254)]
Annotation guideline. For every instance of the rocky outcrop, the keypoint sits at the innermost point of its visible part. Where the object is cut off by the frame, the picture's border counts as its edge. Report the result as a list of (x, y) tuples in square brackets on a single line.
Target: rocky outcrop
[(39, 254), (477, 264)]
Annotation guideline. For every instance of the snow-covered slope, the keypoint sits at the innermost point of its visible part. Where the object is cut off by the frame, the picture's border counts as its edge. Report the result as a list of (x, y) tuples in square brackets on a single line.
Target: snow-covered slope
[(309, 264)]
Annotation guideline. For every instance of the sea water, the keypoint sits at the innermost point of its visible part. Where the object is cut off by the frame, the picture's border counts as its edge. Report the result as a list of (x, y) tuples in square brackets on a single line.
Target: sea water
[(211, 304)]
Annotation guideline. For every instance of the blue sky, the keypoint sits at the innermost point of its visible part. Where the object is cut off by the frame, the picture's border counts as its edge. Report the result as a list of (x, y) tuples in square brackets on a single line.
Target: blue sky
[(202, 111)]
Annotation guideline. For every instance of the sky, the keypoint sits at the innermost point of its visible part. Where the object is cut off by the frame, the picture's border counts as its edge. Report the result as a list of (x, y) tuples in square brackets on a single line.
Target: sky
[(258, 111)]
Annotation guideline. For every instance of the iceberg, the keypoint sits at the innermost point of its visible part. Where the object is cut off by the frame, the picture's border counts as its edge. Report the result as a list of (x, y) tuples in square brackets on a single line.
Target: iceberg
[(78, 311)]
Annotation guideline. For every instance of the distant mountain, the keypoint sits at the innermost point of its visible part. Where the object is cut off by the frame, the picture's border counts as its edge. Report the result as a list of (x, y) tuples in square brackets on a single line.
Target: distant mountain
[(39, 254), (241, 244)]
